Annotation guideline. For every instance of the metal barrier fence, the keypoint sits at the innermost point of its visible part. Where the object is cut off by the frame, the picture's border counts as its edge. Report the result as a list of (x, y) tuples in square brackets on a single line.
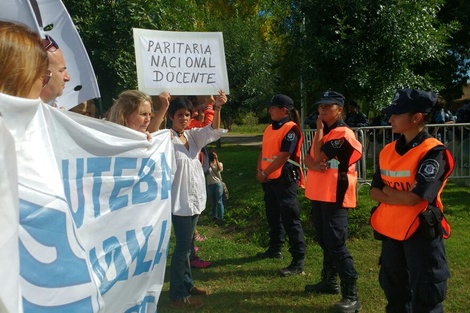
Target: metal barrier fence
[(373, 139)]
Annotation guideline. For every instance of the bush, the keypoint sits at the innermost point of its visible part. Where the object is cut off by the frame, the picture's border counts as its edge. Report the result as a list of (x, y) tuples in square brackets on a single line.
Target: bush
[(250, 119)]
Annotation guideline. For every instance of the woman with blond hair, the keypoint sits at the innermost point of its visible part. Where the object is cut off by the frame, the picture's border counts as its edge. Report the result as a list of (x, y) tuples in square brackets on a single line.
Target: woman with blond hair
[(133, 109), (24, 62)]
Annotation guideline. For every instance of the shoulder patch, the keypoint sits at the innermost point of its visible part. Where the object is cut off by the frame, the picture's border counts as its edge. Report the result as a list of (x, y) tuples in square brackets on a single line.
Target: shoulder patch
[(290, 136), (337, 143), (429, 169)]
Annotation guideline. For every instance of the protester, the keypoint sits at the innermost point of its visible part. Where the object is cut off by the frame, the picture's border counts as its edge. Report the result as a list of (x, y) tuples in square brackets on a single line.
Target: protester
[(442, 115), (331, 187), (463, 116), (23, 73), (202, 115), (380, 135), (280, 174), (58, 68), (411, 175), (215, 188), (195, 260), (187, 198), (86, 108), (311, 120), (133, 109), (354, 117), (23, 70)]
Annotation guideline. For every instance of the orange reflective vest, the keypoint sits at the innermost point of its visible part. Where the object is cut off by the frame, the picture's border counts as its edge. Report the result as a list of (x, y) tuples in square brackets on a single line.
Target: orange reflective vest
[(271, 146), (322, 186), (399, 222)]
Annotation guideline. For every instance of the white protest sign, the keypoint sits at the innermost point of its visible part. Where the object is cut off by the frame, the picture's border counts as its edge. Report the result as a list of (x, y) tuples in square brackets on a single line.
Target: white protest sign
[(94, 211), (182, 63)]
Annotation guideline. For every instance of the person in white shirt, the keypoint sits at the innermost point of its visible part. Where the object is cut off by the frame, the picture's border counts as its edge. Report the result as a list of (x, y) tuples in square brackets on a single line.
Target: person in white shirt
[(188, 195)]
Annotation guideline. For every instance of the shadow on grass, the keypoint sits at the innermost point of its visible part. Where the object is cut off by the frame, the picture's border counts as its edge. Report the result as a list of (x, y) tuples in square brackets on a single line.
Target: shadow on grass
[(253, 302)]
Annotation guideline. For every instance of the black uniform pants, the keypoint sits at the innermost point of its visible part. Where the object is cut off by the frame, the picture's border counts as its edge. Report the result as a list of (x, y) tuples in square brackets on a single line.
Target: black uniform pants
[(330, 221), (413, 274), (283, 215)]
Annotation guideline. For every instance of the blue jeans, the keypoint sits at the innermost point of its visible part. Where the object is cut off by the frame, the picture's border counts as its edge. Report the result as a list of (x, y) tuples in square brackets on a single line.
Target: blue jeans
[(181, 279), (215, 193)]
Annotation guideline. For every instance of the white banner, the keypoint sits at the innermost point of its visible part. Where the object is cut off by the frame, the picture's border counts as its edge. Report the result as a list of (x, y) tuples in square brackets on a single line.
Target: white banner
[(94, 210), (10, 294), (49, 17), (182, 63)]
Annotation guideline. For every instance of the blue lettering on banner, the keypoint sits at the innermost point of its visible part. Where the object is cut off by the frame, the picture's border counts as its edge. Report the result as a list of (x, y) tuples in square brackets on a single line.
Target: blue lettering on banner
[(79, 306), (166, 177), (138, 252), (142, 306), (80, 210), (127, 189), (97, 166), (117, 202), (144, 195), (36, 220), (112, 248), (158, 253)]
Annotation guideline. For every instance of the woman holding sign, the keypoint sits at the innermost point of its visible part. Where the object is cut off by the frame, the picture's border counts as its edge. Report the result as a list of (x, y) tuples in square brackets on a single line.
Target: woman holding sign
[(133, 109), (187, 198)]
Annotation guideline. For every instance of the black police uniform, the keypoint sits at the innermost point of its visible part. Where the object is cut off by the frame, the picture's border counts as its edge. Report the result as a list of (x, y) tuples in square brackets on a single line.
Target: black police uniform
[(330, 220), (282, 205), (414, 272)]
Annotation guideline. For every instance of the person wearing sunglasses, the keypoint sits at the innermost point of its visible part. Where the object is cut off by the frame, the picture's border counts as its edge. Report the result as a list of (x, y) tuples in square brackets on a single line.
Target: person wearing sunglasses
[(23, 61), (58, 68)]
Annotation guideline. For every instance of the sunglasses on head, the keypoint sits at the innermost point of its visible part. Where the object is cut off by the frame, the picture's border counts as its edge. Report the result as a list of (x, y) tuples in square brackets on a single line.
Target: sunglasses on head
[(46, 78), (49, 44)]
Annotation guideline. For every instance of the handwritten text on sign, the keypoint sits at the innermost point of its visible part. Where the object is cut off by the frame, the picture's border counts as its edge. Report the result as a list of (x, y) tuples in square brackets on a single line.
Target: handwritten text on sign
[(181, 63)]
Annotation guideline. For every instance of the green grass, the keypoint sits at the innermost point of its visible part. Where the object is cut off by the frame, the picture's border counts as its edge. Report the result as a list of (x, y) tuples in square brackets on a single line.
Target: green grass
[(238, 282), (257, 129)]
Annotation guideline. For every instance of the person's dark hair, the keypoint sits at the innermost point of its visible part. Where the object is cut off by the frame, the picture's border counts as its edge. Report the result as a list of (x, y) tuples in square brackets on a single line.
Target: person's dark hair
[(179, 103), (427, 117), (193, 100), (211, 156), (353, 103), (440, 103), (294, 114)]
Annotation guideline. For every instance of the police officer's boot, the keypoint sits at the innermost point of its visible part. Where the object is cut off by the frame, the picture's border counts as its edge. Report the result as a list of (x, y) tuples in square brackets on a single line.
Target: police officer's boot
[(350, 302), (296, 267), (328, 284)]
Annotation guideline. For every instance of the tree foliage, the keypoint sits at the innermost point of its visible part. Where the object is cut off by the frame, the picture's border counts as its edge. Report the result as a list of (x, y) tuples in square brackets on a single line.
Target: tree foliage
[(362, 48), (367, 49)]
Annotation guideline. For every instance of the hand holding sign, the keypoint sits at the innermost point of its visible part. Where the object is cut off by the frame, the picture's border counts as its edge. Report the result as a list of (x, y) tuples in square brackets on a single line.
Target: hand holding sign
[(220, 100)]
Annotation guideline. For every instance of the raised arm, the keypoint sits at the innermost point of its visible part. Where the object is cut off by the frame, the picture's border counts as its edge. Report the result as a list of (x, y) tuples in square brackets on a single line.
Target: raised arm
[(159, 116), (220, 100)]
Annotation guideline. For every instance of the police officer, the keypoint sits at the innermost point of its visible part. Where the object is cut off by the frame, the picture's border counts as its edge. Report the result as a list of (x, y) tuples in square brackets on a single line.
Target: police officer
[(280, 174), (411, 175), (331, 187)]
